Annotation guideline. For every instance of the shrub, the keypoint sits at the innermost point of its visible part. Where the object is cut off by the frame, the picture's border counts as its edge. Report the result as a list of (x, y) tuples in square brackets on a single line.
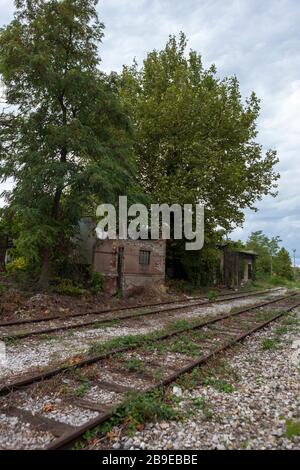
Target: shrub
[(97, 283), (18, 264), (69, 287), (212, 296)]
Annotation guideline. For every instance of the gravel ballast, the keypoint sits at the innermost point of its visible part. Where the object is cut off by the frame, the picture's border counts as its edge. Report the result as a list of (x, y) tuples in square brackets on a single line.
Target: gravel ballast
[(37, 352), (260, 410)]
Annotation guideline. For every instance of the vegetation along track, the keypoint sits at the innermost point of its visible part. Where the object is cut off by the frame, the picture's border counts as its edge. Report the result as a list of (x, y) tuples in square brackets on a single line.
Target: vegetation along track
[(7, 329), (53, 409)]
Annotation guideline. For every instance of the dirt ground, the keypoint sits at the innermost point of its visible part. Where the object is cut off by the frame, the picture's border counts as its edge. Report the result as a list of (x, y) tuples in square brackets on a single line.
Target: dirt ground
[(17, 304)]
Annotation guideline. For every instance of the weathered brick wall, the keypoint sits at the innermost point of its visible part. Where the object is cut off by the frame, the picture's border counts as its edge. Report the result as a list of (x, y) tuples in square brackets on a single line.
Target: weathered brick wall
[(134, 273)]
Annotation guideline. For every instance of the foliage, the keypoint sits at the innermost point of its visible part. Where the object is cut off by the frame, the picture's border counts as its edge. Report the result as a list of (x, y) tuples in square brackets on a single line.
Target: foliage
[(272, 259), (200, 403), (199, 268), (219, 384), (266, 248), (282, 265), (136, 410), (212, 296), (147, 407), (18, 264), (97, 283), (70, 287), (135, 365), (66, 139), (292, 428), (195, 140), (270, 343), (297, 273)]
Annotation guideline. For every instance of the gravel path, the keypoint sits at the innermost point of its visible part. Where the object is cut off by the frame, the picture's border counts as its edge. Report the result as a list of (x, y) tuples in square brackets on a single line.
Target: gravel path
[(31, 353), (253, 404)]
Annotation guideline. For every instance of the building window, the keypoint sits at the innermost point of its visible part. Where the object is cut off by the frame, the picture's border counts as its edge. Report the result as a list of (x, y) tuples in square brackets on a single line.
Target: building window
[(144, 257)]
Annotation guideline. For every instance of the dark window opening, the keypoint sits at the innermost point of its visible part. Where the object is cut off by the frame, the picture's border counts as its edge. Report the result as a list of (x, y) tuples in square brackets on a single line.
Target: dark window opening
[(249, 271), (144, 257)]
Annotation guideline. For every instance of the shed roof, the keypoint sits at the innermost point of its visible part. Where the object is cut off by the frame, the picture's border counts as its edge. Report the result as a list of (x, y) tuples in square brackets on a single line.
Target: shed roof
[(239, 250)]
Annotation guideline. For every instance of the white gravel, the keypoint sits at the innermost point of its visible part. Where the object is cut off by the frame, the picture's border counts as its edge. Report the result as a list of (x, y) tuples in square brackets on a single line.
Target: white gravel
[(15, 434), (51, 406), (254, 416)]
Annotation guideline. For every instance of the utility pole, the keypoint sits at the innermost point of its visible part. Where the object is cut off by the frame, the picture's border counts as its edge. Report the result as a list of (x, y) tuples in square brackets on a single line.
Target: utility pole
[(294, 252)]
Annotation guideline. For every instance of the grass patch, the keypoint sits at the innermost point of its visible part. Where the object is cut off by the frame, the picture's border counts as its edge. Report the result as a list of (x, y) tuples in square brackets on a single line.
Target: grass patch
[(135, 365), (184, 345), (179, 325), (217, 373), (158, 348), (132, 341), (212, 296), (270, 343), (292, 428), (82, 389), (218, 384), (290, 321), (281, 330), (119, 343), (200, 403)]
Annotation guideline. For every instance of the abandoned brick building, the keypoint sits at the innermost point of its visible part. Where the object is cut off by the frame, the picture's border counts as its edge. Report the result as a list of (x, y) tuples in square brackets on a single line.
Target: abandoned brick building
[(127, 265), (237, 266)]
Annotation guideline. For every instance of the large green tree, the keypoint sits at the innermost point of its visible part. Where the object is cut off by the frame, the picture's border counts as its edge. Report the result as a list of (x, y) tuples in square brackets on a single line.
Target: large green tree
[(195, 138), (266, 248), (283, 264), (65, 141)]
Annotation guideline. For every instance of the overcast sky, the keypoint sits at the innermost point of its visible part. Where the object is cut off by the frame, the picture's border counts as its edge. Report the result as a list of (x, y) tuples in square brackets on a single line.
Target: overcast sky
[(259, 41)]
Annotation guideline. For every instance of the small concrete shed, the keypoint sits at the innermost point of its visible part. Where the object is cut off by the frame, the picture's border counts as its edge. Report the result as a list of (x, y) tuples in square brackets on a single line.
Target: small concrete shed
[(237, 266)]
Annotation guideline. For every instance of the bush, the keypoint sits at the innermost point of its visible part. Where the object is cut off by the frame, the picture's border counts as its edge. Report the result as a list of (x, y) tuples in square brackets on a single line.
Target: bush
[(97, 283), (212, 296), (69, 287), (18, 264)]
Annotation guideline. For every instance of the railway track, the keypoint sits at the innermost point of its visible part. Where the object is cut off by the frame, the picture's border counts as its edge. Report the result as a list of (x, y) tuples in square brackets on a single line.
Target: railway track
[(53, 409), (7, 329)]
